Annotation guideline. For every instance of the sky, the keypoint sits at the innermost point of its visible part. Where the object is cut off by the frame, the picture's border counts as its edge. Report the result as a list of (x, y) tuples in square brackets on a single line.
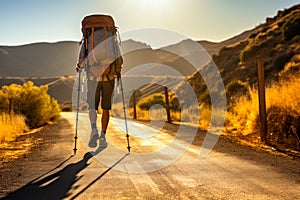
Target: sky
[(29, 21)]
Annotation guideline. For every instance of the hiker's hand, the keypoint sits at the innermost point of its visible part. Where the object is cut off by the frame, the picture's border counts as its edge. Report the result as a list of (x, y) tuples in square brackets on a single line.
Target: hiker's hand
[(78, 69)]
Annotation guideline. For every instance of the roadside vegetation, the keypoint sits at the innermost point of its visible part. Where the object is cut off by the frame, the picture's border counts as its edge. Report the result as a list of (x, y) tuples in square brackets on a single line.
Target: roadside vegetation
[(24, 107), (283, 114), (276, 43), (11, 126)]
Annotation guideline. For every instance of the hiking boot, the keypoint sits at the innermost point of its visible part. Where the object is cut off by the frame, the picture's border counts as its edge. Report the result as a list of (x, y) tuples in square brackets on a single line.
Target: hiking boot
[(102, 140), (93, 138)]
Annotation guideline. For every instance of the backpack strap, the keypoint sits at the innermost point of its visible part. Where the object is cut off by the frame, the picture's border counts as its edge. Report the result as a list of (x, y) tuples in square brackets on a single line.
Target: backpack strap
[(86, 45), (93, 45), (106, 41)]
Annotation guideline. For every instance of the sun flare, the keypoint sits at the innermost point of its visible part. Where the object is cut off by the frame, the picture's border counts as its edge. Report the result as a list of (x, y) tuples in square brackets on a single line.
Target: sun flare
[(153, 3)]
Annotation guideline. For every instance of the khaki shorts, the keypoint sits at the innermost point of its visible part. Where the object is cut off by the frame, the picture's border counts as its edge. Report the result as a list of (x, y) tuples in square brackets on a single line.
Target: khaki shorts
[(100, 90)]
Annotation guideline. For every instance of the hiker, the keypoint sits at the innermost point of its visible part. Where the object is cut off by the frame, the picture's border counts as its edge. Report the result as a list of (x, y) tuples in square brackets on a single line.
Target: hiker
[(100, 57)]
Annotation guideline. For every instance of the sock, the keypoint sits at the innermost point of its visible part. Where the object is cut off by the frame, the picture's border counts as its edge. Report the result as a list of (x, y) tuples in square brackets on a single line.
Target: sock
[(94, 126), (103, 133)]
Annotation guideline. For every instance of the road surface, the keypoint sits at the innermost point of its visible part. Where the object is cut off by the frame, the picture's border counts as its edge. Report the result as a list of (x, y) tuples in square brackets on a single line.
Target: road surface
[(231, 171)]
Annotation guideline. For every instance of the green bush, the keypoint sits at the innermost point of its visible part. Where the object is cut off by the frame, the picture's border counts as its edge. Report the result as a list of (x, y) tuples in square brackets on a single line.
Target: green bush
[(31, 101), (145, 104), (250, 50)]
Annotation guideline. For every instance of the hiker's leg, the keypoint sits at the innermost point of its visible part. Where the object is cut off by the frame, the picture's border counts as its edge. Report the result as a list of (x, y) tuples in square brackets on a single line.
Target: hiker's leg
[(93, 100), (104, 120), (107, 91), (108, 88), (93, 103), (93, 116)]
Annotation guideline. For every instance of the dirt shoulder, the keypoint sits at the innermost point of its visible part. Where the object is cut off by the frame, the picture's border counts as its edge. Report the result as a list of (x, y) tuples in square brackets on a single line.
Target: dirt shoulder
[(51, 146)]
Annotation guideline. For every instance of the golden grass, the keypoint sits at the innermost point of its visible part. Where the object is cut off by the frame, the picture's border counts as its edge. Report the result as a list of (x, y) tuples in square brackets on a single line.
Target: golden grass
[(284, 95), (282, 104), (117, 110), (190, 116), (11, 126)]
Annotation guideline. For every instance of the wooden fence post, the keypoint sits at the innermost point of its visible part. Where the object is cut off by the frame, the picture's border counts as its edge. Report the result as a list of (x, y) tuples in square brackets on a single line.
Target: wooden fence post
[(10, 106), (134, 105), (167, 105), (262, 101)]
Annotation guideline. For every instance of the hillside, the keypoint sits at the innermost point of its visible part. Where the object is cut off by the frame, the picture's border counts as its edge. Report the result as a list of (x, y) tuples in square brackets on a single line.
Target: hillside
[(213, 48), (276, 42), (59, 59)]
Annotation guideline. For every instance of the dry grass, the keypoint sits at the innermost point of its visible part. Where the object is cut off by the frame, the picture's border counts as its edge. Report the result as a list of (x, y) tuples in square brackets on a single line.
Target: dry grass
[(11, 126), (283, 113), (117, 110), (286, 94), (190, 115)]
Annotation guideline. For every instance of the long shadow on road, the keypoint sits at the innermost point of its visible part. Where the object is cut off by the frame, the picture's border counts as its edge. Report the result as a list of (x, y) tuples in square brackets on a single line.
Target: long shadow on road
[(57, 185), (99, 177)]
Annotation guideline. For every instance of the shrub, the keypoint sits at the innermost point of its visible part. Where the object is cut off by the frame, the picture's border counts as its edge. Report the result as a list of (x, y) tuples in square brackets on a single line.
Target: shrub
[(4, 102), (250, 50), (233, 86), (293, 66), (291, 27), (30, 101), (281, 60), (145, 104), (283, 127)]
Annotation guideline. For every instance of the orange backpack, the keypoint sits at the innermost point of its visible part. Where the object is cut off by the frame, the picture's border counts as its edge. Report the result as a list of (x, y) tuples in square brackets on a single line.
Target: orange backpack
[(101, 46)]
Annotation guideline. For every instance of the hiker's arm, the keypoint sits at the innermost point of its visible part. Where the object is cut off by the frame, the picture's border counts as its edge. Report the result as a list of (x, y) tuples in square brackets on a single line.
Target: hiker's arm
[(81, 59), (78, 68)]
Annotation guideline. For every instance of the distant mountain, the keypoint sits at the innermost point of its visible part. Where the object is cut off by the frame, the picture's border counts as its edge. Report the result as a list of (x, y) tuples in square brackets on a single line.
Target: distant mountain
[(59, 59), (39, 59), (212, 48)]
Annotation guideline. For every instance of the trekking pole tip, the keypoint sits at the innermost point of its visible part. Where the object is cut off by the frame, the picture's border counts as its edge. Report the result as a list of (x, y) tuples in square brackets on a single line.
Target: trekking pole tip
[(74, 151), (128, 148)]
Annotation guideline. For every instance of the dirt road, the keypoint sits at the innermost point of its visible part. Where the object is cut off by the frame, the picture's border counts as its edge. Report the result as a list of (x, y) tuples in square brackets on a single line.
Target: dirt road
[(231, 171)]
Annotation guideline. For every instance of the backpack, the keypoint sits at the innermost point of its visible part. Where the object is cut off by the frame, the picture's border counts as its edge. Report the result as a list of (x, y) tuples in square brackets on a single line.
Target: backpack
[(101, 46)]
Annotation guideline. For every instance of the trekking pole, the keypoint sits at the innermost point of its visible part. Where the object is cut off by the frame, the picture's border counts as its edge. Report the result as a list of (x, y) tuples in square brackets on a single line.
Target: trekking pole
[(124, 109), (77, 111)]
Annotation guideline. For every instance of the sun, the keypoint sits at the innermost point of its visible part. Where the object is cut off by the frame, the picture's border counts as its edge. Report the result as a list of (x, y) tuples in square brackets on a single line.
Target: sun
[(153, 3)]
